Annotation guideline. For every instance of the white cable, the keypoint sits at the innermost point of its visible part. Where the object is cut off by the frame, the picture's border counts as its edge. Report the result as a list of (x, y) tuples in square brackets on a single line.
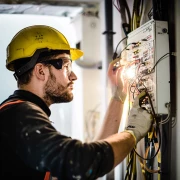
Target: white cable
[(164, 121)]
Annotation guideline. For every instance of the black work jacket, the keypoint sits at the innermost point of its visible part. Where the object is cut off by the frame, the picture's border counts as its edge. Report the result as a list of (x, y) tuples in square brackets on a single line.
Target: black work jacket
[(31, 146)]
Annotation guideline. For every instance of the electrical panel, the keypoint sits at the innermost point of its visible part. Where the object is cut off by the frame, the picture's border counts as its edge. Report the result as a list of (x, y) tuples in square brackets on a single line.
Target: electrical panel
[(148, 68), (148, 59)]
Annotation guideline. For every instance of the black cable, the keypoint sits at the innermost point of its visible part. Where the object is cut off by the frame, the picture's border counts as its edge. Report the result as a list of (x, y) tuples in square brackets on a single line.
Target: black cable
[(115, 52), (124, 10), (142, 4), (128, 166), (125, 48), (154, 117), (150, 13), (153, 111), (158, 62), (128, 12), (157, 9), (116, 6)]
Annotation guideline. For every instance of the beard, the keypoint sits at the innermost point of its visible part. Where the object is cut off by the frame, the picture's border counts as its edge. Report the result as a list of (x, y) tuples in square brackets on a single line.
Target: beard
[(55, 92)]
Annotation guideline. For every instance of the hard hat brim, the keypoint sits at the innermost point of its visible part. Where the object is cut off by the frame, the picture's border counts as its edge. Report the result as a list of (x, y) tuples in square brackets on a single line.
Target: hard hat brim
[(75, 53)]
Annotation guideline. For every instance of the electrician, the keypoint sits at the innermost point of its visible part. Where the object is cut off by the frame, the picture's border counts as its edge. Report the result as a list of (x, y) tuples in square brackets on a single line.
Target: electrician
[(31, 148)]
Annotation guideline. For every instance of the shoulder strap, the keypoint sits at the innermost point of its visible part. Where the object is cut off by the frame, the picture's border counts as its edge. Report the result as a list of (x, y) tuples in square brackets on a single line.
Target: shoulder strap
[(47, 176), (10, 102)]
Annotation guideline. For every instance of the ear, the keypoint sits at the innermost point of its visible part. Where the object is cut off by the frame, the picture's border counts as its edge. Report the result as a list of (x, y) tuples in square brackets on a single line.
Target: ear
[(39, 71)]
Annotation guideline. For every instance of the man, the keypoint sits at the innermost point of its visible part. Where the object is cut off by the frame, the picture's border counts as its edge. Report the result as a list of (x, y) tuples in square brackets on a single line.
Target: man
[(31, 147)]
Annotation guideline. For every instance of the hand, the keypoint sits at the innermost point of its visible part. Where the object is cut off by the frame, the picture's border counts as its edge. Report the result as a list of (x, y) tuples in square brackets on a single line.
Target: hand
[(118, 83), (139, 120)]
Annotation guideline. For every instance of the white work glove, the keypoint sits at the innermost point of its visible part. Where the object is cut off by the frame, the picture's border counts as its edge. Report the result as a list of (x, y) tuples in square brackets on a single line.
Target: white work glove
[(118, 84), (139, 120)]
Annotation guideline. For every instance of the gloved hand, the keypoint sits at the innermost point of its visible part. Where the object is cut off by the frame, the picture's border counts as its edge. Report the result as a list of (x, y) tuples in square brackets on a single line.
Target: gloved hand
[(139, 120), (118, 83)]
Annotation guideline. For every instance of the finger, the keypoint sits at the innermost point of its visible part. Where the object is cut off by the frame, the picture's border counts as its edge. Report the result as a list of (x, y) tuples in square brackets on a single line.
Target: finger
[(113, 64), (147, 115), (133, 111), (143, 93), (136, 100), (140, 110), (116, 63), (115, 70), (119, 75)]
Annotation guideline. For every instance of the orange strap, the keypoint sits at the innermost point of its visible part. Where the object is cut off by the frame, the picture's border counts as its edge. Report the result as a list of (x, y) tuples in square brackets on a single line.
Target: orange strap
[(8, 103), (47, 175)]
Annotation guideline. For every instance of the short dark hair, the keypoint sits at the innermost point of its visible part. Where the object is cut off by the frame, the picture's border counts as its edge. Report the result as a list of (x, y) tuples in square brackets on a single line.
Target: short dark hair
[(44, 56)]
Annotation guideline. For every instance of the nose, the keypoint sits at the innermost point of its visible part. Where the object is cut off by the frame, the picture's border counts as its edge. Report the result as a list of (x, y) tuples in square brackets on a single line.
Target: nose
[(72, 76)]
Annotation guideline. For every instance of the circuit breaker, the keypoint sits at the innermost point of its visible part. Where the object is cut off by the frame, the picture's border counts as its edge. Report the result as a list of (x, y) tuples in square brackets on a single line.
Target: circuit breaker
[(148, 52)]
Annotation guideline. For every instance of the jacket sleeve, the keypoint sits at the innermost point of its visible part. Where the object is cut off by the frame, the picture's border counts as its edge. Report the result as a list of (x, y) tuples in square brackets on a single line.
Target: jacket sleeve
[(43, 148)]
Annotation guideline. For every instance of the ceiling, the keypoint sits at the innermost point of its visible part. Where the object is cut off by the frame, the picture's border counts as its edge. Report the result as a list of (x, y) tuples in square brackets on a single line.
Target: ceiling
[(63, 8)]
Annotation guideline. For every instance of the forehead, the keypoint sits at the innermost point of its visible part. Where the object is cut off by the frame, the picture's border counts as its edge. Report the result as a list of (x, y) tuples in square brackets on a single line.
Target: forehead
[(64, 55)]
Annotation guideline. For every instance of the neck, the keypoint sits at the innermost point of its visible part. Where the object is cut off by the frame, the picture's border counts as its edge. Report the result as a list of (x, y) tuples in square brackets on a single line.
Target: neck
[(37, 91)]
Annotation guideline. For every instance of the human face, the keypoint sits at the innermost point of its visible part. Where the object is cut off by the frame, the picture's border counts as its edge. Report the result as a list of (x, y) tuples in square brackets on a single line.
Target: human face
[(59, 85)]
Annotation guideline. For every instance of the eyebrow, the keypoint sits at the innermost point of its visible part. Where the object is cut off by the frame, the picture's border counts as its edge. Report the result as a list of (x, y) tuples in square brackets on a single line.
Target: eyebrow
[(66, 60)]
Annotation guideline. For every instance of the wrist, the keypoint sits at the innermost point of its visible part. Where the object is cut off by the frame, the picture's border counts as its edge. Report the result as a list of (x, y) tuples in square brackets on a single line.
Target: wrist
[(119, 96), (132, 134)]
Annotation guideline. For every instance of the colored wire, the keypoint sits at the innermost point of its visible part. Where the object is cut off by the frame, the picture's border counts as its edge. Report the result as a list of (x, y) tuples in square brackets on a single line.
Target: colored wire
[(123, 8), (129, 165), (143, 163), (156, 150), (136, 14)]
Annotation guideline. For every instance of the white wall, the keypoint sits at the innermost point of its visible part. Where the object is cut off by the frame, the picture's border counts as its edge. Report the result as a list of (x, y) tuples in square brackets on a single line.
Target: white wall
[(89, 34)]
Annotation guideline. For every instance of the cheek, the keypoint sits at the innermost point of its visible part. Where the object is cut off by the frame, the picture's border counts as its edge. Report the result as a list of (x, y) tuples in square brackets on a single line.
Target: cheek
[(62, 78)]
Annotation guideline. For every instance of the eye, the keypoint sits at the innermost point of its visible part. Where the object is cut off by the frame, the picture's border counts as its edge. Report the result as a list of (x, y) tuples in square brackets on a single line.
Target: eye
[(68, 68)]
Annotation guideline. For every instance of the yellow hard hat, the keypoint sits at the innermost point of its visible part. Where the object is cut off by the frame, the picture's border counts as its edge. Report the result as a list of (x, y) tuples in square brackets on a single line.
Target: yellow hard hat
[(25, 43)]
